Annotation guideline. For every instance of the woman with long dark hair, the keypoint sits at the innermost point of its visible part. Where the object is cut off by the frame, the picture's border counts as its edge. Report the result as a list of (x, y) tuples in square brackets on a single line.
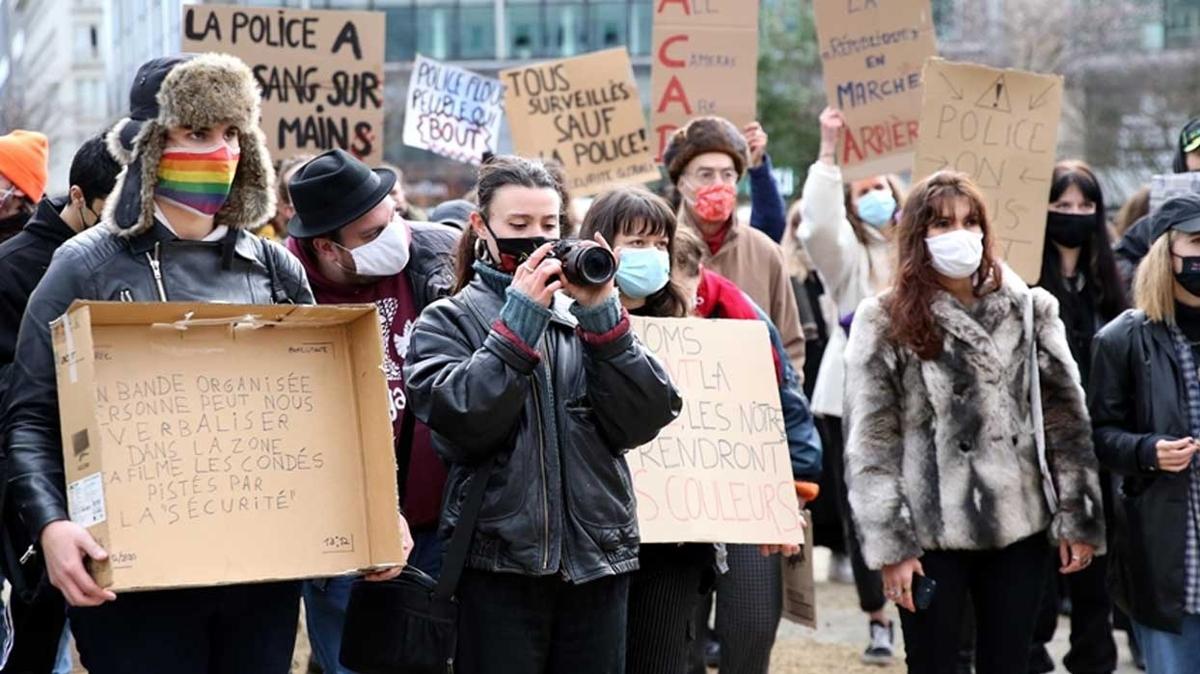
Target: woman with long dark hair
[(948, 479), (1080, 270), (547, 391)]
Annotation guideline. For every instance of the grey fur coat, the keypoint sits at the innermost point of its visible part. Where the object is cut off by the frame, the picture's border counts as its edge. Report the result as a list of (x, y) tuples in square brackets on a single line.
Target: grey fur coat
[(940, 454)]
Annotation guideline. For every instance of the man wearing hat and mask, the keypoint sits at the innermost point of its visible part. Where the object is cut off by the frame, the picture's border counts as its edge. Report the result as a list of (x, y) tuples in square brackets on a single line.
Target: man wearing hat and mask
[(357, 248), (196, 177), (23, 156)]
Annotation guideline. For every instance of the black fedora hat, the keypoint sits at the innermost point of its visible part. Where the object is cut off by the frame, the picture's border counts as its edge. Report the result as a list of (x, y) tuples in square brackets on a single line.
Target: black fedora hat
[(333, 190)]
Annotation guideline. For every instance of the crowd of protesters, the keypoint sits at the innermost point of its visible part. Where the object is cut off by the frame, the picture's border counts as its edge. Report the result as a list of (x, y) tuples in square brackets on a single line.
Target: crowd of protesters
[(985, 449)]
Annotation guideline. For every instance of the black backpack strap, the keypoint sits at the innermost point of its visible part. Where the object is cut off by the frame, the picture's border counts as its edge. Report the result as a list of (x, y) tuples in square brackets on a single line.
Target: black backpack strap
[(460, 541)]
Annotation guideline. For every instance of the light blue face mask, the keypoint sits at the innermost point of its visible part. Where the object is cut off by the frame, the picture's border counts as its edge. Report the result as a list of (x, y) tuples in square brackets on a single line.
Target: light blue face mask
[(876, 207), (643, 272)]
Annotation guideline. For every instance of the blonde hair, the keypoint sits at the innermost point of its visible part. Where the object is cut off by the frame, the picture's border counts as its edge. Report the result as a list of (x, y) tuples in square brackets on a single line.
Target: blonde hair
[(1154, 285)]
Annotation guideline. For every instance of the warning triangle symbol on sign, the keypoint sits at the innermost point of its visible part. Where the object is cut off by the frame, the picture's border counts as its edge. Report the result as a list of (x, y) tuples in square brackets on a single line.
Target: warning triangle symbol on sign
[(995, 97)]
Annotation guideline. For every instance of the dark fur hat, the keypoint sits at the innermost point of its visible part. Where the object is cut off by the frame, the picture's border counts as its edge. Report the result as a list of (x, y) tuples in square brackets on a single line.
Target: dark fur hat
[(198, 92), (701, 135)]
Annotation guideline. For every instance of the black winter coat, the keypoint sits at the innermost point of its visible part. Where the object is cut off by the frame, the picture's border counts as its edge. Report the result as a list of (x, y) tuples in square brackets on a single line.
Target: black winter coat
[(23, 261), (558, 420), (1137, 397)]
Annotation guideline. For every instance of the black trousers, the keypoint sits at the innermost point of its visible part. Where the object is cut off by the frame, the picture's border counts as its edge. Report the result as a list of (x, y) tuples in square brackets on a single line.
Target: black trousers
[(512, 624), (37, 628), (1006, 589), (663, 595), (237, 629), (1093, 650), (829, 512)]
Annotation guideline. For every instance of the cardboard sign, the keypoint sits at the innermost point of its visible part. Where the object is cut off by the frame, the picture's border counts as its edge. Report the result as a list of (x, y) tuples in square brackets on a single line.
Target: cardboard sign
[(1171, 185), (1001, 128), (583, 112), (872, 53), (799, 590), (721, 473), (218, 444), (321, 73), (705, 63), (452, 112)]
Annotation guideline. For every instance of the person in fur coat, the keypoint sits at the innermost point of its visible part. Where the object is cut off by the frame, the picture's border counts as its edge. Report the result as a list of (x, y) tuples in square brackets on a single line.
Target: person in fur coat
[(942, 464)]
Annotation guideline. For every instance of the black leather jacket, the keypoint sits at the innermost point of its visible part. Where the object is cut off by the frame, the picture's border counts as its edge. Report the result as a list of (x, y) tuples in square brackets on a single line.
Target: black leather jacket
[(1136, 398), (559, 420), (100, 265)]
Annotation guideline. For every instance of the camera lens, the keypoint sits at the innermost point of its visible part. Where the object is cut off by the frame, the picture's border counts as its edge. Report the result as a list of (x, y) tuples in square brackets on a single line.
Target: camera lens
[(595, 265)]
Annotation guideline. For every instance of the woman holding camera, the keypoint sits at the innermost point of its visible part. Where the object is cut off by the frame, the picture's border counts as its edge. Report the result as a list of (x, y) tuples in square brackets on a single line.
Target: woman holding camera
[(551, 389), (944, 475)]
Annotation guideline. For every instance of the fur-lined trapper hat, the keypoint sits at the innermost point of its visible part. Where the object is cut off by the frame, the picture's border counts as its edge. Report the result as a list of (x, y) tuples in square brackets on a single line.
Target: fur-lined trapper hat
[(193, 91), (702, 135)]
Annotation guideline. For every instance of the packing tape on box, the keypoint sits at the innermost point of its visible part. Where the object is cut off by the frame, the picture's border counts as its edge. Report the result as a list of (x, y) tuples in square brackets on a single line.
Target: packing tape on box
[(69, 337)]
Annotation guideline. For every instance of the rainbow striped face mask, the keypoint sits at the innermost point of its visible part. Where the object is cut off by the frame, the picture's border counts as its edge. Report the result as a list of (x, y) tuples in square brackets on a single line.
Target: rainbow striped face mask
[(197, 180)]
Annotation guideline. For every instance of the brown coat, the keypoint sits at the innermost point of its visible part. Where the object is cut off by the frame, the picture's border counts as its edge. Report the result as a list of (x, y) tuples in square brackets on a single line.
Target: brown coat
[(755, 263)]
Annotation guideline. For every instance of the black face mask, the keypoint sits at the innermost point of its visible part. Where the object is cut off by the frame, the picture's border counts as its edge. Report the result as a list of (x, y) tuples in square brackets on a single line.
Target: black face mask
[(1189, 275), (1068, 229), (514, 250)]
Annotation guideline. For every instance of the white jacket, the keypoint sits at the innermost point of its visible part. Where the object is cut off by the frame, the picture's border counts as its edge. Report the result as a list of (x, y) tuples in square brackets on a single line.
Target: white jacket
[(852, 270)]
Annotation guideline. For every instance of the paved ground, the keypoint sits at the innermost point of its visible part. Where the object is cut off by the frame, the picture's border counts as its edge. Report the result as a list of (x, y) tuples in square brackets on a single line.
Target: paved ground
[(841, 636), (832, 648)]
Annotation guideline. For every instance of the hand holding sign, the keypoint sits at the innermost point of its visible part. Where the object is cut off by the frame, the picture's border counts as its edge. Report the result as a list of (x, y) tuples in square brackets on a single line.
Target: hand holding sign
[(832, 123), (756, 138)]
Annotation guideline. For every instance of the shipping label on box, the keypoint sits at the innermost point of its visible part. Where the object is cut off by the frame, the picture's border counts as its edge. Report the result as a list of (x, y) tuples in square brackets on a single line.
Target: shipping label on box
[(219, 444)]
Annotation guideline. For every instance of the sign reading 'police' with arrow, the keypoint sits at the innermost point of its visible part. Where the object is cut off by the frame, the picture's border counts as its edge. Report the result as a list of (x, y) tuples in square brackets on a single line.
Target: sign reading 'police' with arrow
[(1001, 128)]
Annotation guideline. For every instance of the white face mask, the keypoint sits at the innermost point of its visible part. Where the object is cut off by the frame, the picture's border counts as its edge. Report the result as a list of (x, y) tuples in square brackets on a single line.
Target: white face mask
[(385, 255), (956, 254)]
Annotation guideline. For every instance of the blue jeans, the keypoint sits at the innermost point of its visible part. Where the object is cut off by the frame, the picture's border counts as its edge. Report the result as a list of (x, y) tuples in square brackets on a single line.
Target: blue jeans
[(1170, 653), (325, 601)]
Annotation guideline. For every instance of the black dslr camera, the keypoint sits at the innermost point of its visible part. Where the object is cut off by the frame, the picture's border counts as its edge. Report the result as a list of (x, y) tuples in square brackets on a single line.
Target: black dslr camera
[(584, 263)]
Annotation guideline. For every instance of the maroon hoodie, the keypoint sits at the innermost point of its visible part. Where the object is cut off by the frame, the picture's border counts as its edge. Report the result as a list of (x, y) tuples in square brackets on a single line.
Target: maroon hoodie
[(397, 313)]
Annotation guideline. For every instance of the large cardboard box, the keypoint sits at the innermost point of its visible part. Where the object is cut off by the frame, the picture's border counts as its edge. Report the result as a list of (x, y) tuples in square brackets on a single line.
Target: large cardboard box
[(210, 444)]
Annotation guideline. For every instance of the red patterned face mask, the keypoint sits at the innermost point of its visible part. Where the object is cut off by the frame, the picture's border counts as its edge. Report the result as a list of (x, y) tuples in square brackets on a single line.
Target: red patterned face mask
[(715, 203)]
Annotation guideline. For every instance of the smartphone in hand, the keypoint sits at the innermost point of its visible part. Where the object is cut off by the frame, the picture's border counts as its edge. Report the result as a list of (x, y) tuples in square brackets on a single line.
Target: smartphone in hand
[(923, 591)]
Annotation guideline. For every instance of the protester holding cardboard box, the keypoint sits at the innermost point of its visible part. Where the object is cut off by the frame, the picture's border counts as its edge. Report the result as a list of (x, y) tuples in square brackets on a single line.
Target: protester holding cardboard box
[(357, 248), (541, 397), (196, 178), (952, 487), (846, 228)]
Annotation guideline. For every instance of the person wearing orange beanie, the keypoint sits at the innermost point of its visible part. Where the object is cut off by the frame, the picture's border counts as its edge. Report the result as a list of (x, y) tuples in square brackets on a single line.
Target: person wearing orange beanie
[(23, 171)]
